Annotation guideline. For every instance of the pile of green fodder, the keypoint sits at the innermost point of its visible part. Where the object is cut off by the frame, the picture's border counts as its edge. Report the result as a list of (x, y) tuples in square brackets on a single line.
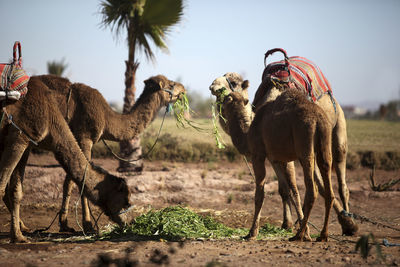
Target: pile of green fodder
[(177, 223)]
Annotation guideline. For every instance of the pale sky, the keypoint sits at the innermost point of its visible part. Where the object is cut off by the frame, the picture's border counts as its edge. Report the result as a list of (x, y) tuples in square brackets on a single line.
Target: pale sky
[(356, 43)]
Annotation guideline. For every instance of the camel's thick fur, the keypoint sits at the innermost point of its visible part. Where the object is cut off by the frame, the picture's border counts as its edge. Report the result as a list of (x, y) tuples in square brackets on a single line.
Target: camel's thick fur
[(286, 128), (286, 172), (38, 114), (90, 118)]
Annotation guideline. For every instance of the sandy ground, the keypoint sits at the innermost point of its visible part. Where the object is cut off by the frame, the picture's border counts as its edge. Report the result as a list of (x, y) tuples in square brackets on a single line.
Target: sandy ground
[(224, 190)]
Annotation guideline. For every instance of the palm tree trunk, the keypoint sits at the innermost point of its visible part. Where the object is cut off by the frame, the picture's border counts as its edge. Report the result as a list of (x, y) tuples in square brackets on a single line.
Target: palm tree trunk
[(130, 149)]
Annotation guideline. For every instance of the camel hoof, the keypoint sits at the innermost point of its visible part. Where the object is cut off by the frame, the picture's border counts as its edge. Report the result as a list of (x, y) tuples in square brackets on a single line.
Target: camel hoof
[(66, 229), (287, 225), (349, 227), (250, 237), (296, 238), (322, 239), (88, 227), (19, 239)]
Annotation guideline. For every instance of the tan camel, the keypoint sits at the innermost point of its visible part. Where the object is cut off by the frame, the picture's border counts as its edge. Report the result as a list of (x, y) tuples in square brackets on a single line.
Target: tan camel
[(285, 128), (234, 82), (91, 118), (37, 114)]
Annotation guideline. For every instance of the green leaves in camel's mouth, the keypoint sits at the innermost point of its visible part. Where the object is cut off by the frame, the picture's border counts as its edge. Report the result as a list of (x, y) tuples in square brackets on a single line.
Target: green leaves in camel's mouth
[(216, 111), (181, 107), (215, 114)]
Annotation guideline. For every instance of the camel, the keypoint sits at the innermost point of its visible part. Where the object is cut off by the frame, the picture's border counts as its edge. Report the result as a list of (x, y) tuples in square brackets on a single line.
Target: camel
[(285, 128), (230, 82), (90, 119), (40, 120)]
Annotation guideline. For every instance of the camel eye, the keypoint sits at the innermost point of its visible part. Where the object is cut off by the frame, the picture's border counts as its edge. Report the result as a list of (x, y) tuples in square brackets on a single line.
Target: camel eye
[(233, 84)]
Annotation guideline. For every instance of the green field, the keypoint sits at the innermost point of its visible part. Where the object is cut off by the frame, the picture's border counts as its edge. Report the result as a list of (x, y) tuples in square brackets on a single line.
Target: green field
[(367, 135), (362, 134), (370, 143)]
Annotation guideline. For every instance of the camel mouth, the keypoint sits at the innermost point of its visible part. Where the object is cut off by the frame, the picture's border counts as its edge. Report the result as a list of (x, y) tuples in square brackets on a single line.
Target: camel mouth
[(181, 95)]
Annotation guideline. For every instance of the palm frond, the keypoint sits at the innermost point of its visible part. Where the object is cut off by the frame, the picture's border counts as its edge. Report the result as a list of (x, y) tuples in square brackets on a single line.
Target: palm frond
[(144, 20), (164, 13)]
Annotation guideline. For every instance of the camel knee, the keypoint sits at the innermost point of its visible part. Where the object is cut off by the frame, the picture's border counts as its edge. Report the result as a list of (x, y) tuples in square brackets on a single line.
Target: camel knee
[(339, 152)]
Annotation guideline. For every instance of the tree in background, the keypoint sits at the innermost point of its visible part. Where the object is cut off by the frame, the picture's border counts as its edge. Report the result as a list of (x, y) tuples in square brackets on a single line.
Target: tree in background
[(56, 67), (143, 20)]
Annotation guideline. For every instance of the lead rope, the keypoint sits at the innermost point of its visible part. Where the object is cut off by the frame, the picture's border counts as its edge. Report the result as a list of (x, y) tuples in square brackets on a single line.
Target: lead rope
[(167, 108), (10, 121)]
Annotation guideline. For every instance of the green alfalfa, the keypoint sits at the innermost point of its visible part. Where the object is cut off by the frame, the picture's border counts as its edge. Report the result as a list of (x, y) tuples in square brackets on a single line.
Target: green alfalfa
[(218, 138), (216, 111), (177, 223), (180, 108)]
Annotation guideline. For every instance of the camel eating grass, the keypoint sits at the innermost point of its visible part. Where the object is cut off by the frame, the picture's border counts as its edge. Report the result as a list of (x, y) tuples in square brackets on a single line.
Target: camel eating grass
[(39, 116), (91, 119), (231, 82), (286, 128)]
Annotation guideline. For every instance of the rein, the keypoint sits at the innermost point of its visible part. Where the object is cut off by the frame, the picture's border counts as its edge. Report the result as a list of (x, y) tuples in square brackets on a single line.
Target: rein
[(10, 121)]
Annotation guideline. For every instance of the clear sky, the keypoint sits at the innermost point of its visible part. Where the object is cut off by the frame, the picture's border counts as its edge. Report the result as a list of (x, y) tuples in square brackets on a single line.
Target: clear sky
[(355, 42)]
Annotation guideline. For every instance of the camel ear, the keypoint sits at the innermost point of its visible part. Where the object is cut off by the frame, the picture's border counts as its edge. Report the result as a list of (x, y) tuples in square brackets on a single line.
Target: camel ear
[(245, 84), (154, 82)]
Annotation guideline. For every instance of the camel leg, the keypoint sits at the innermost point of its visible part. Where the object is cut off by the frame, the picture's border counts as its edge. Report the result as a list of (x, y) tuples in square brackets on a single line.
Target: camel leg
[(309, 199), (287, 181), (67, 190), (86, 147), (259, 171), (63, 221), (14, 148), (325, 169), (339, 151), (7, 200), (349, 227), (15, 196)]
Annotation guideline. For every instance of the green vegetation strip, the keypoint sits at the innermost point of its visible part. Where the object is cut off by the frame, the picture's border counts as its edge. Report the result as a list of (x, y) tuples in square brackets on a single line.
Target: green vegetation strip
[(178, 223)]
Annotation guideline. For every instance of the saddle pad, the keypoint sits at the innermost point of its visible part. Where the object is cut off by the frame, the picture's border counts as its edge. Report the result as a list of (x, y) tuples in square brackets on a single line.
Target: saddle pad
[(303, 75), (13, 78)]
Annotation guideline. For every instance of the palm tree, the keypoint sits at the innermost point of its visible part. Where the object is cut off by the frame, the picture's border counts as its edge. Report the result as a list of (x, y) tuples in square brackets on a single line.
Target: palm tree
[(56, 67), (143, 20)]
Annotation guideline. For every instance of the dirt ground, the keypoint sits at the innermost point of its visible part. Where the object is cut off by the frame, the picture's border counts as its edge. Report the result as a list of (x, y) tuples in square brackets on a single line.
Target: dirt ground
[(224, 190)]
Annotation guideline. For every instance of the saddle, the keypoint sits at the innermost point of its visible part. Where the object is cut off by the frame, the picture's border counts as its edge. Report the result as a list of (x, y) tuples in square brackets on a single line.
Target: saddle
[(13, 78), (297, 72)]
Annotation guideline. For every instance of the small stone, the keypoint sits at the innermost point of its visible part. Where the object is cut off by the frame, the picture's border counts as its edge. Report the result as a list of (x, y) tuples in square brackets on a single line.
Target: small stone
[(346, 259)]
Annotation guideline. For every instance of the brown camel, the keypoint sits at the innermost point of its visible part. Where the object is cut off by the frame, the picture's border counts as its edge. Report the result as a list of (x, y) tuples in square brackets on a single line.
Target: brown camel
[(40, 119), (90, 118), (286, 128), (234, 82)]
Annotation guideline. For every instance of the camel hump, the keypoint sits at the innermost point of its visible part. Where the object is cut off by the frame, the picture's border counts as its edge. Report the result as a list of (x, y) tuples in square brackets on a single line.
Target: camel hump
[(13, 78)]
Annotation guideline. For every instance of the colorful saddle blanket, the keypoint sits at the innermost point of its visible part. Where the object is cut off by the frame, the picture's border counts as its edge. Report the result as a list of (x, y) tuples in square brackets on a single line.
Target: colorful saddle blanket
[(300, 73), (13, 78)]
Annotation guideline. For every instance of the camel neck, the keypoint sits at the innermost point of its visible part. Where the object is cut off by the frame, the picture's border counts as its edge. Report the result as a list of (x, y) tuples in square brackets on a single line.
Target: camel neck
[(127, 126), (238, 124)]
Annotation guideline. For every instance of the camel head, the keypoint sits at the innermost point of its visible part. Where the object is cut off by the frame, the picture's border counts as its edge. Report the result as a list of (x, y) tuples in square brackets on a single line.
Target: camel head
[(236, 105), (169, 91), (230, 82), (113, 197)]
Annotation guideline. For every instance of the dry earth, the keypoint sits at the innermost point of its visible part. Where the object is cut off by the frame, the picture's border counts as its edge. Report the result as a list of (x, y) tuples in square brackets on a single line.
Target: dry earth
[(224, 190)]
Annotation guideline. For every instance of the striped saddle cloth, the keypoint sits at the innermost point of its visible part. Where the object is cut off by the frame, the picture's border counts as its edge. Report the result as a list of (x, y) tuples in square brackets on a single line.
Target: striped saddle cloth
[(13, 78), (298, 72)]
